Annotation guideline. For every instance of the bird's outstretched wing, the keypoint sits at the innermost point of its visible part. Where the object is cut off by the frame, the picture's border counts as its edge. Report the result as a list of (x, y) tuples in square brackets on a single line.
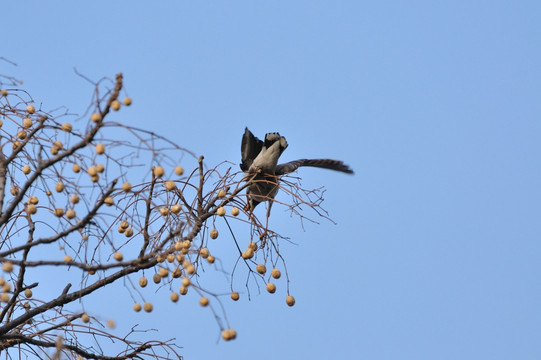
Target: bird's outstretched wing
[(250, 147), (291, 166)]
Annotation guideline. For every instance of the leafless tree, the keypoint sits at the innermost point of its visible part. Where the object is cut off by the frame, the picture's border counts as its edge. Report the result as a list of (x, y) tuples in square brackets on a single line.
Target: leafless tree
[(108, 204)]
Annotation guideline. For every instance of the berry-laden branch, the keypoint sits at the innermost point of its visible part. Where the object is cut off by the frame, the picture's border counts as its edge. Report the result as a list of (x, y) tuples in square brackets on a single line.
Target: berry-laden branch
[(105, 204)]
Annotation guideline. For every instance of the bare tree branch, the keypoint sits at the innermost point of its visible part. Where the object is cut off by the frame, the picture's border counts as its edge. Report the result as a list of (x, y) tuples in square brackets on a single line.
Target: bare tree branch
[(105, 203)]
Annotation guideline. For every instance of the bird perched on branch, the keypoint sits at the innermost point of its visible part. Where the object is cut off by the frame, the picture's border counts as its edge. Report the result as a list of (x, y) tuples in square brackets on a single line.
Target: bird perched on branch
[(260, 162)]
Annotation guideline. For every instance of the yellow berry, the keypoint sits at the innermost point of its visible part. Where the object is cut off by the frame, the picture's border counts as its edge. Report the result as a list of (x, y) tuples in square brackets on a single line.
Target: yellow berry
[(124, 224), (95, 117), (118, 256), (248, 254), (164, 211), (115, 105), (100, 168), (290, 300), (21, 134), (211, 259), (26, 169), (58, 144), (213, 234), (184, 251), (76, 168), (31, 209), (137, 307), (170, 185), (143, 282), (235, 211), (170, 258), (190, 269), (70, 214), (271, 288), (126, 187), (220, 211), (261, 268), (203, 301), (158, 171), (229, 334), (59, 212), (156, 278), (33, 200), (179, 170), (176, 208), (109, 201), (148, 307), (128, 232), (160, 258), (163, 272), (235, 296), (174, 297), (85, 318), (111, 324), (14, 190), (221, 193), (3, 92), (59, 187), (252, 245), (176, 273), (27, 122), (30, 109), (16, 144), (4, 297), (92, 171), (95, 178), (186, 281), (7, 266), (74, 198), (100, 149), (67, 127), (28, 293), (276, 273), (204, 252), (183, 290), (127, 101), (54, 150), (68, 258)]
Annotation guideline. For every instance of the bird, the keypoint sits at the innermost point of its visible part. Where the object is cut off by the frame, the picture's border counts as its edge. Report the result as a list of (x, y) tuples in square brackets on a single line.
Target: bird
[(260, 164)]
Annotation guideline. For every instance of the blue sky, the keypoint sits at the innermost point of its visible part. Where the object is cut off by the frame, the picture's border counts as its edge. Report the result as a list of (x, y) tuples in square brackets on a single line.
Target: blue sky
[(435, 105)]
